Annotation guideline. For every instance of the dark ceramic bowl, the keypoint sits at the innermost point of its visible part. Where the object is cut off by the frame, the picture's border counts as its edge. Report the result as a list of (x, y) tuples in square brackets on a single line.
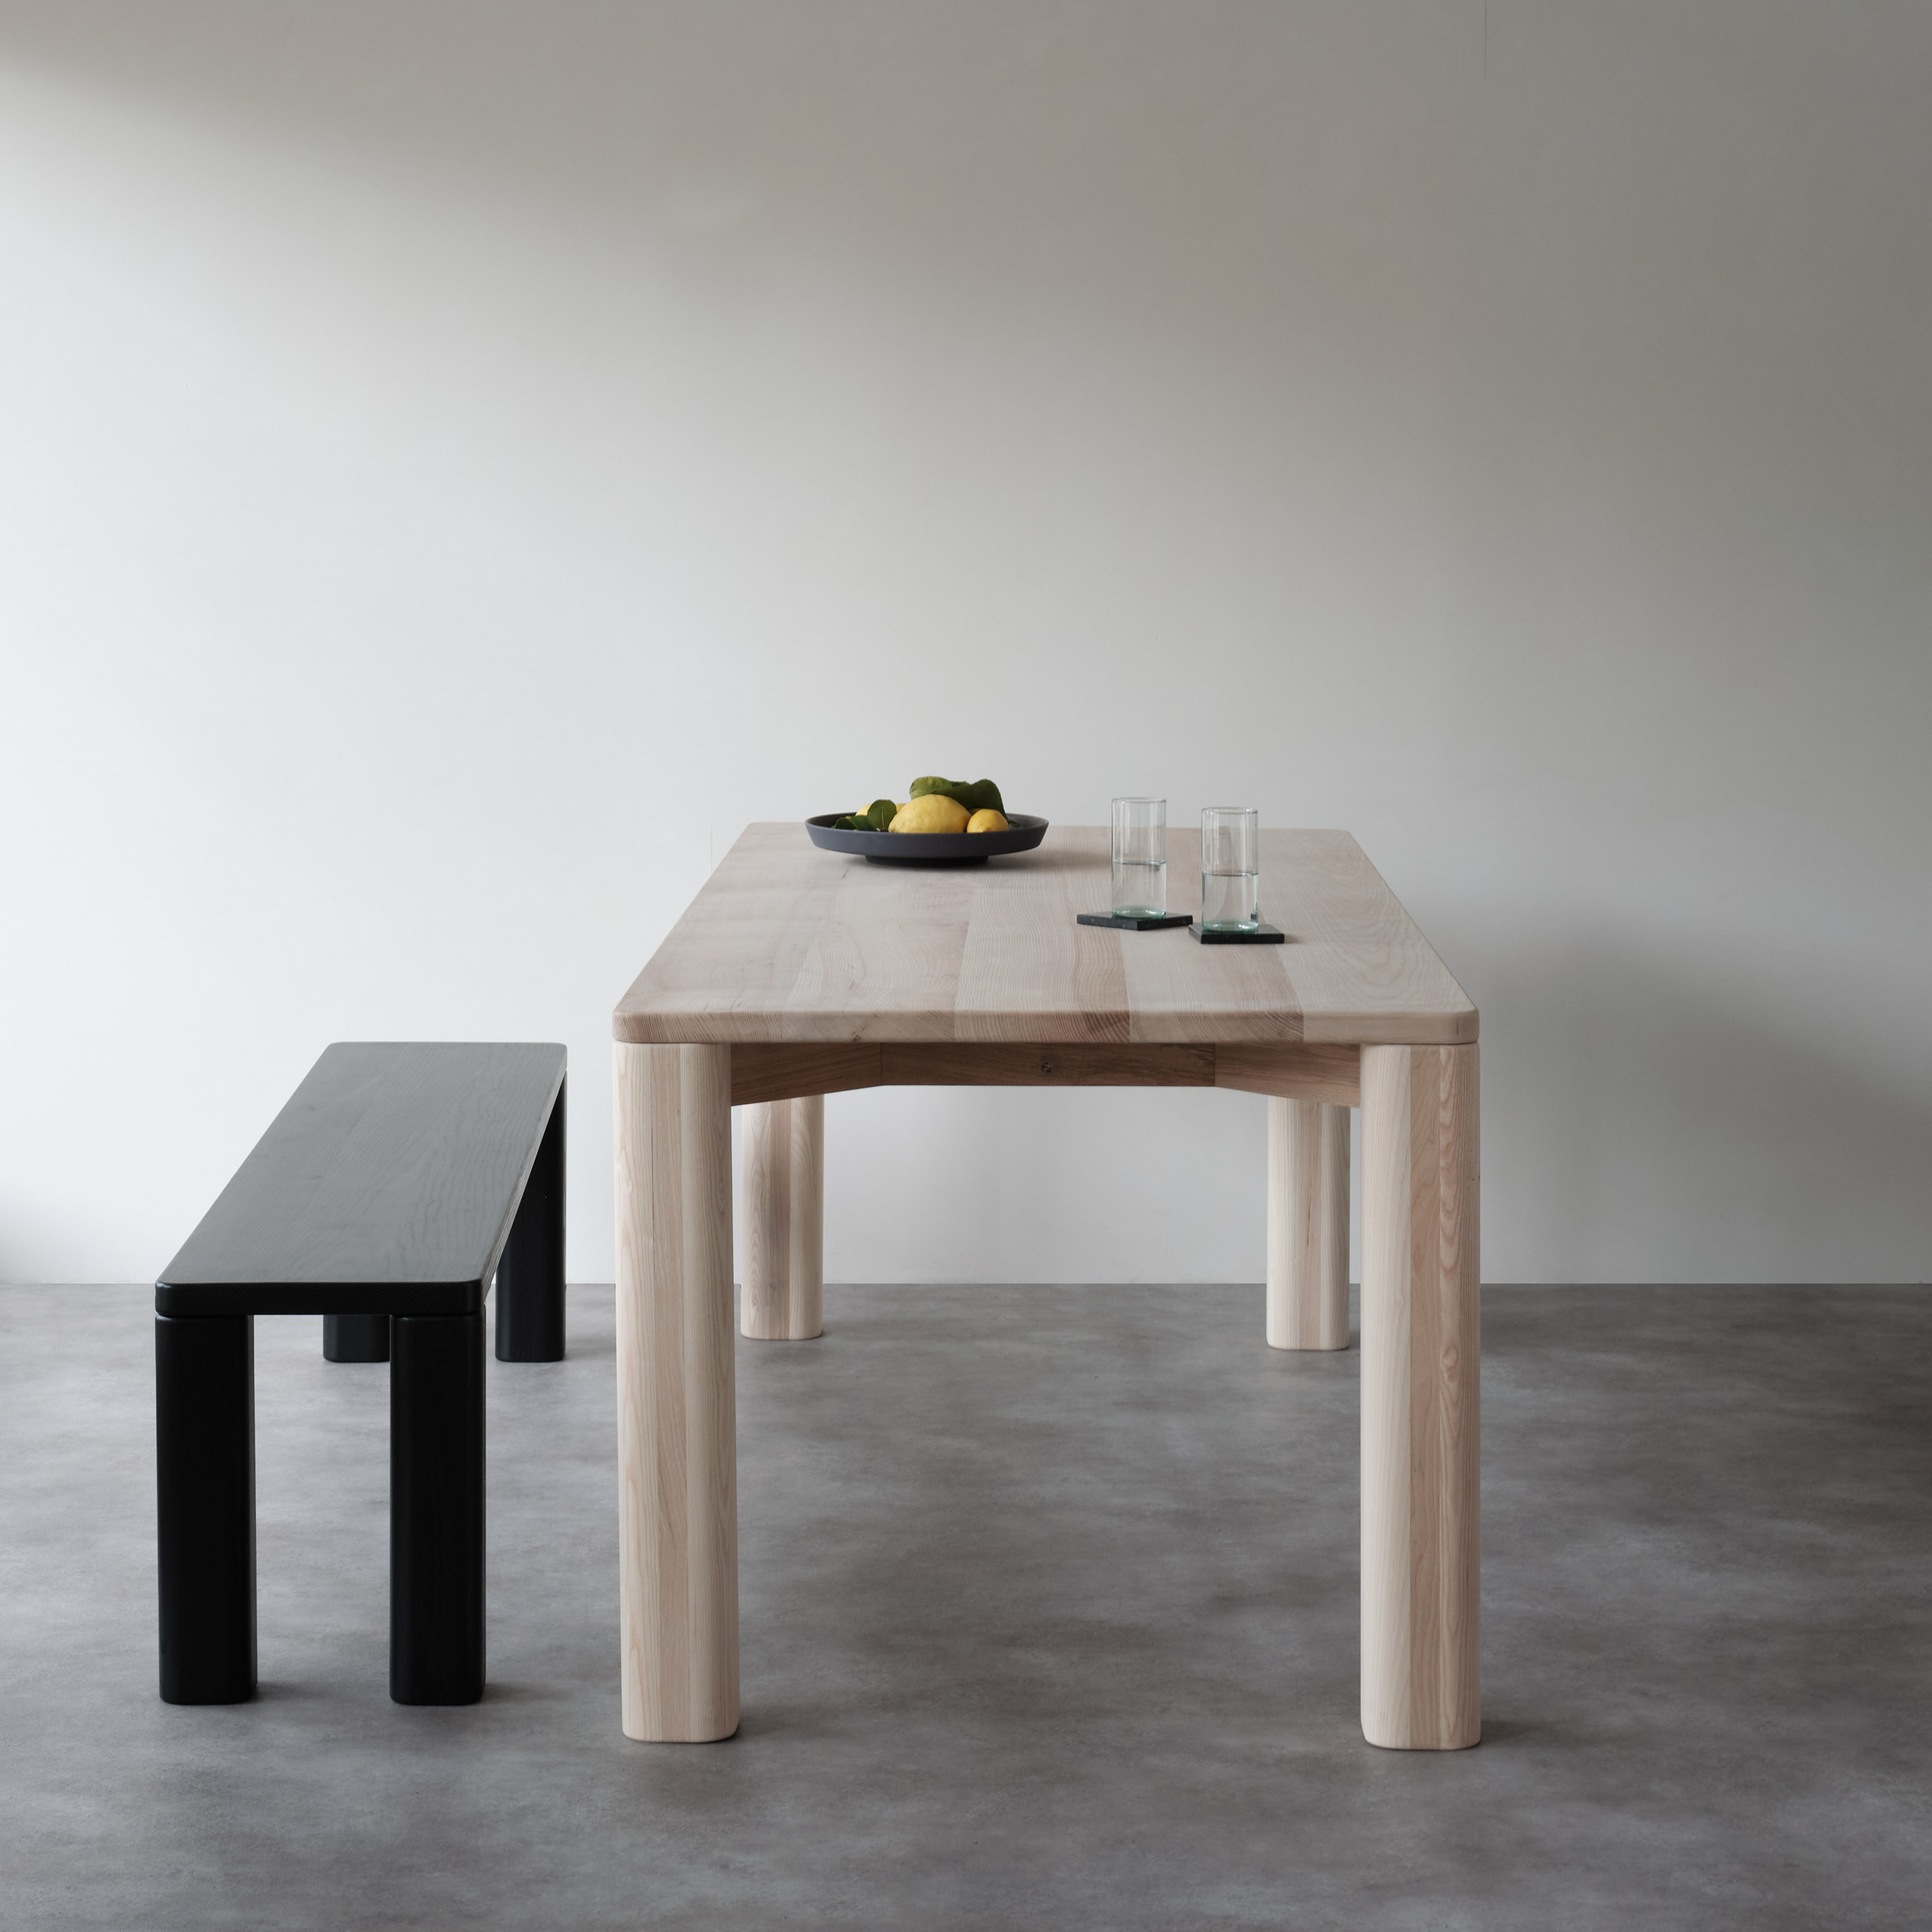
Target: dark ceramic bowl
[(929, 848)]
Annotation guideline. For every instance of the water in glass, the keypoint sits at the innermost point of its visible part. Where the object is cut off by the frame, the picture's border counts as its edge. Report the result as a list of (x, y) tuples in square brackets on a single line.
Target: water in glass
[(1230, 901), (1140, 889)]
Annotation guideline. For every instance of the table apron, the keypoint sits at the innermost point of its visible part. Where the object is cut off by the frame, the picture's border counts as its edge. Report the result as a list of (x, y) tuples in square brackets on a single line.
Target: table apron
[(1293, 1069)]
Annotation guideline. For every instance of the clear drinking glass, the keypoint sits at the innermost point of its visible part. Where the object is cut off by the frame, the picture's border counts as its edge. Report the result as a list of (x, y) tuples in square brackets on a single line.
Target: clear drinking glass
[(1230, 868), (1140, 858)]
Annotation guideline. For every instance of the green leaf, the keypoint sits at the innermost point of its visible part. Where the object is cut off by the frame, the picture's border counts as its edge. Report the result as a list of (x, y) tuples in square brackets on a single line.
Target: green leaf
[(980, 796), (877, 816)]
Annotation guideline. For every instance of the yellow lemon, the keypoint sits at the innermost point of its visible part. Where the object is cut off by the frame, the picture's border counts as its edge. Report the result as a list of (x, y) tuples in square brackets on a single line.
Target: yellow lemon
[(934, 812), (988, 820)]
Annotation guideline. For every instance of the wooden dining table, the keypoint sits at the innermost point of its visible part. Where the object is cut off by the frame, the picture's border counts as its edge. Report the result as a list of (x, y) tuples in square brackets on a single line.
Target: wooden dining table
[(797, 972)]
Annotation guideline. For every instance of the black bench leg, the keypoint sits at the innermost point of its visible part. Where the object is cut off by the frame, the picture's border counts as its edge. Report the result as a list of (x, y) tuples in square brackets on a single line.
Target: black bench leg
[(355, 1337), (436, 1509), (204, 1418), (529, 1278)]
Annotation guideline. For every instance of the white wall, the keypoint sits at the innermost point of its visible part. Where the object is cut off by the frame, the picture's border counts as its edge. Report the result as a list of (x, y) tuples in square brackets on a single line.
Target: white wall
[(461, 463)]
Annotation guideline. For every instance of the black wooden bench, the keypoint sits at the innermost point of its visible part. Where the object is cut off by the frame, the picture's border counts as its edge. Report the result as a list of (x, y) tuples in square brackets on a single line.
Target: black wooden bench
[(397, 1180)]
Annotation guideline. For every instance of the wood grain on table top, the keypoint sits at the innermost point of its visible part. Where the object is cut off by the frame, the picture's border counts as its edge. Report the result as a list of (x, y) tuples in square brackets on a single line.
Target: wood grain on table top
[(785, 942)]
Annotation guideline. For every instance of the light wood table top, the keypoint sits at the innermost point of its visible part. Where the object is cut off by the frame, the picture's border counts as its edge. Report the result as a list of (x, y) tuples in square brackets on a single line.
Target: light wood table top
[(787, 943)]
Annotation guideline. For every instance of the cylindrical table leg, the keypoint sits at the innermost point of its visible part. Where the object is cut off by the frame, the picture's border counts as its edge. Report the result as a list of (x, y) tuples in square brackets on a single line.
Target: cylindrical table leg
[(530, 1276), (1421, 1338), (677, 1414), (204, 1429), (1307, 1225), (436, 1509), (355, 1338), (785, 1211)]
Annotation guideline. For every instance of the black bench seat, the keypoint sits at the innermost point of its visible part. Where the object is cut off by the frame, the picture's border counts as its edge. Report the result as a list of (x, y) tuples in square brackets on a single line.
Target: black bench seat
[(400, 1178)]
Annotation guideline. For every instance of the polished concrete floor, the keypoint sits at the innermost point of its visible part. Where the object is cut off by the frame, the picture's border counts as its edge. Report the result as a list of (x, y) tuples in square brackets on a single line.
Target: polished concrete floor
[(1049, 1621)]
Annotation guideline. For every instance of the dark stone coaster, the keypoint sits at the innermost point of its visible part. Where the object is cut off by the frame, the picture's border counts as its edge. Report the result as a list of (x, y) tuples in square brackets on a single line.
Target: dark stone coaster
[(1261, 936), (1107, 918)]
